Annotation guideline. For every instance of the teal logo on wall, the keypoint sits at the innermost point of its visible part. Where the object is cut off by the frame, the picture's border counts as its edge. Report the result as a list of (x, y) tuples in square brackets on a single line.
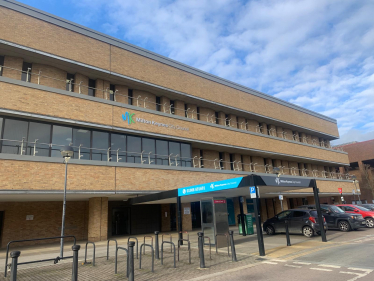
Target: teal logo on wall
[(128, 117)]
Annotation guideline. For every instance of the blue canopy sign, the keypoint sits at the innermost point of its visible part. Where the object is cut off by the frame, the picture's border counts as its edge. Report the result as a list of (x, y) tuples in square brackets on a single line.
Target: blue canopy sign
[(210, 186)]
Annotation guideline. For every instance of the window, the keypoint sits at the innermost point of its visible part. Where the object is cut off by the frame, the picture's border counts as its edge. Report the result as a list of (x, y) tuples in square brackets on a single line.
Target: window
[(16, 132), (172, 107), (217, 118), (69, 82), (42, 133), (82, 138), (118, 144), (158, 103), (185, 110), (186, 155), (162, 151), (134, 148), (284, 214), (227, 121), (1, 128), (130, 97), (298, 214), (221, 160), (198, 113), (91, 87), (60, 136), (112, 91), (175, 150), (1, 65), (26, 72), (100, 141), (149, 148), (232, 161)]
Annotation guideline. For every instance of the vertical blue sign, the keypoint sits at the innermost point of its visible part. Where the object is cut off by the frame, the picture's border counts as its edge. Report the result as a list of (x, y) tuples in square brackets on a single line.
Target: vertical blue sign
[(252, 191)]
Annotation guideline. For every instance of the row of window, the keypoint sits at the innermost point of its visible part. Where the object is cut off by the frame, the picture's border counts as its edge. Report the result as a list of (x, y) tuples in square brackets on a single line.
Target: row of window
[(93, 144)]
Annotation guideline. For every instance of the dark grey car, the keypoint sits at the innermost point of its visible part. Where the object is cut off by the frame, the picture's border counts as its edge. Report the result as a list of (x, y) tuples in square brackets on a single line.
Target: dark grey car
[(300, 221)]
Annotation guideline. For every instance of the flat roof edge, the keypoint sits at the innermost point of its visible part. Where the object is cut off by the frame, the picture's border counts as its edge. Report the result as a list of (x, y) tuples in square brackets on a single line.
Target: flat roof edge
[(42, 15)]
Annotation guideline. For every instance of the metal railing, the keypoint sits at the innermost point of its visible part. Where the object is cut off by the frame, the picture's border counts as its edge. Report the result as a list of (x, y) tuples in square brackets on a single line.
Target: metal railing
[(93, 254), (210, 118)]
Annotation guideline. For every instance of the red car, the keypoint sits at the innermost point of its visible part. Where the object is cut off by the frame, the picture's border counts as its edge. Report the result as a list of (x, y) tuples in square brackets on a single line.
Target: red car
[(354, 209)]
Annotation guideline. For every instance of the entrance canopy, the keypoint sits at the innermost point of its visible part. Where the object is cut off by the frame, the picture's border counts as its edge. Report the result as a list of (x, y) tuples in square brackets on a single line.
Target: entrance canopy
[(267, 186)]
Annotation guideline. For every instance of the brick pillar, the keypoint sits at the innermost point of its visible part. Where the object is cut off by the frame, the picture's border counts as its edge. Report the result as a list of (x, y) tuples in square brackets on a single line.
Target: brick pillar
[(12, 62), (179, 108), (264, 129), (98, 219), (233, 121), (122, 94), (264, 215), (270, 208), (241, 123), (165, 217), (192, 112), (221, 118), (165, 104), (272, 130), (78, 79), (252, 125)]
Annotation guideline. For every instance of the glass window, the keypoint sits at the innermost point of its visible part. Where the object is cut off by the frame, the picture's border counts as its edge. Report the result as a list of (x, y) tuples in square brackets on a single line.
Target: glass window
[(100, 141), (69, 82), (1, 64), (15, 131), (284, 214), (172, 107), (349, 209), (186, 155), (217, 119), (118, 144), (158, 103), (149, 148), (42, 133), (198, 113), (134, 147), (111, 93), (91, 87), (60, 136), (129, 96), (175, 150), (162, 151), (26, 71), (207, 211), (82, 138), (298, 214)]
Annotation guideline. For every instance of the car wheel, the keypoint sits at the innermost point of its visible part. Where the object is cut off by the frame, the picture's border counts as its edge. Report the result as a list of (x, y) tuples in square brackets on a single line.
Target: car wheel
[(344, 226), (308, 231), (269, 230), (369, 222)]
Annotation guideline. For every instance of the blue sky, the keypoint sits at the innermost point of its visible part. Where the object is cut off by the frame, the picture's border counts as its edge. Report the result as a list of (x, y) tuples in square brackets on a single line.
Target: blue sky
[(315, 53)]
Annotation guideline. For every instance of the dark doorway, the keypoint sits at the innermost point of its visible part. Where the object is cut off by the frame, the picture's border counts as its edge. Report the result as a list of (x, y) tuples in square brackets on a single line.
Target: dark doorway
[(121, 221), (1, 225), (196, 216), (173, 217), (292, 205)]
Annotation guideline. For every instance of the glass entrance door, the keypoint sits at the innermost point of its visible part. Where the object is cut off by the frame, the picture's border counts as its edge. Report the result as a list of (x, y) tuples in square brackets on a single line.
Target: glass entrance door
[(207, 219)]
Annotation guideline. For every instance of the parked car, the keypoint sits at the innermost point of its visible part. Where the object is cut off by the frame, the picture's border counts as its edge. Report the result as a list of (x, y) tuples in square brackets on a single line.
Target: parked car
[(367, 206), (355, 209), (300, 221), (337, 218)]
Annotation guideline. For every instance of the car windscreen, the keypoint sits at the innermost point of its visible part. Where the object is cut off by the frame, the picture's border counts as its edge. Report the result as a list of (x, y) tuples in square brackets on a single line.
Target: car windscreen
[(314, 214), (362, 208), (337, 210)]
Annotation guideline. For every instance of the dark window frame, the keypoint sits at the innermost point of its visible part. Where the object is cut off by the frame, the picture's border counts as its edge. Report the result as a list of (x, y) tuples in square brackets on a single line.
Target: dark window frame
[(130, 96), (91, 87), (70, 76), (2, 58), (24, 76)]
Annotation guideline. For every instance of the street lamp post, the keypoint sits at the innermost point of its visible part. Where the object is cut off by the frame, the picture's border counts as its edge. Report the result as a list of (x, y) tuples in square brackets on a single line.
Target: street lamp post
[(357, 190), (66, 152)]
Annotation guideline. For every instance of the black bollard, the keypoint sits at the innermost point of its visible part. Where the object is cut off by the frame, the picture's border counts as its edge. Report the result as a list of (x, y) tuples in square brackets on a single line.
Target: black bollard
[(131, 261), (233, 252), (287, 234), (201, 249), (13, 274), (75, 249), (157, 252)]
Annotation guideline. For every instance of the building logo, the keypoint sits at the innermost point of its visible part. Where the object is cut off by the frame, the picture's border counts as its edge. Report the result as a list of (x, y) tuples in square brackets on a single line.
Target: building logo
[(277, 180), (212, 186), (128, 117), (184, 191)]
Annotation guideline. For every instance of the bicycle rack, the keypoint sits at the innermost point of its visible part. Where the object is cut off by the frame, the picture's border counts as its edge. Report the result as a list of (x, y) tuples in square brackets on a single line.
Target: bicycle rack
[(210, 246), (228, 243), (137, 245), (162, 252), (127, 262), (171, 240), (146, 244), (188, 247), (93, 256), (107, 247), (153, 256)]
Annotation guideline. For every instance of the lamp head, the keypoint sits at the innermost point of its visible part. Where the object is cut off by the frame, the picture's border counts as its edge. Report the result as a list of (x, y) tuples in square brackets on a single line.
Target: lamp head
[(276, 171), (67, 151)]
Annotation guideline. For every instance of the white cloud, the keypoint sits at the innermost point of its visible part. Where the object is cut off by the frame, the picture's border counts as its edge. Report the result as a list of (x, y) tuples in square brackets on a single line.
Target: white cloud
[(315, 53)]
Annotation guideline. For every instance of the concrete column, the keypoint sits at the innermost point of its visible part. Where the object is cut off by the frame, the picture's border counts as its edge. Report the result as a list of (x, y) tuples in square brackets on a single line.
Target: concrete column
[(12, 62), (165, 217), (98, 219), (179, 108)]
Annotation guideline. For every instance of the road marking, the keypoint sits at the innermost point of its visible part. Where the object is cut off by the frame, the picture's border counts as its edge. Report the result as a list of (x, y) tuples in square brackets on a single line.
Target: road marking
[(320, 269), (360, 269), (269, 262), (327, 265), (359, 275), (279, 260), (290, 265), (299, 262)]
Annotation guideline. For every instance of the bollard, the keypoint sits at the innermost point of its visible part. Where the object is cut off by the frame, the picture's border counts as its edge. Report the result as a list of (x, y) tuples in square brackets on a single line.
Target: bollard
[(131, 261), (201, 249), (157, 256), (13, 274), (75, 249), (287, 234), (233, 252)]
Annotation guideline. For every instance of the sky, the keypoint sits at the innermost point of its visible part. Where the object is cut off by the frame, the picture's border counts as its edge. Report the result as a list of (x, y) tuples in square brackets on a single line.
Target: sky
[(317, 54)]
